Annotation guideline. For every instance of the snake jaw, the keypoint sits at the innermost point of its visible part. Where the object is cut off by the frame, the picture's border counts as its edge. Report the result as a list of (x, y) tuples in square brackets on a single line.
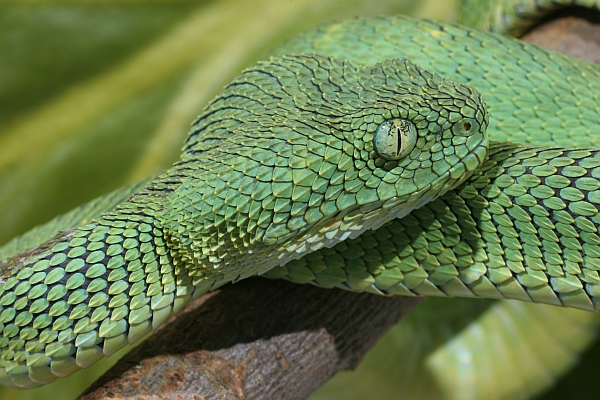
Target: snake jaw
[(302, 172), (352, 222)]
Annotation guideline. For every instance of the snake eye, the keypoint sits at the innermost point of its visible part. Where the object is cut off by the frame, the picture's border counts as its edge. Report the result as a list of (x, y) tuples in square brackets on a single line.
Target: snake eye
[(394, 139)]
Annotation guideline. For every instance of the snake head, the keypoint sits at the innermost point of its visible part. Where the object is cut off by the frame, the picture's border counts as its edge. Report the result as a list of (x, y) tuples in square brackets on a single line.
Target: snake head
[(415, 135), (312, 150)]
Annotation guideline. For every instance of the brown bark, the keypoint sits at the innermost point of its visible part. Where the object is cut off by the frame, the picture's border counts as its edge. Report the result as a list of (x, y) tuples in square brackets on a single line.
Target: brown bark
[(574, 36), (262, 339), (257, 339)]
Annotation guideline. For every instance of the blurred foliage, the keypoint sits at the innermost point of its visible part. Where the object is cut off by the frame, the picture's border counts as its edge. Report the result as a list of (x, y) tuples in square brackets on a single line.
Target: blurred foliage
[(469, 349), (96, 94)]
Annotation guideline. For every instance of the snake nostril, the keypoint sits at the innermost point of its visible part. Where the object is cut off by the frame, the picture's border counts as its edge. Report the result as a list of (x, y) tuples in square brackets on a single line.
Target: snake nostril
[(467, 126)]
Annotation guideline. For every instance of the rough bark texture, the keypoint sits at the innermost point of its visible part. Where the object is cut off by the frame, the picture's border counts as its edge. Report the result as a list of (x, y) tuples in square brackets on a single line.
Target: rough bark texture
[(262, 339), (257, 339), (571, 35)]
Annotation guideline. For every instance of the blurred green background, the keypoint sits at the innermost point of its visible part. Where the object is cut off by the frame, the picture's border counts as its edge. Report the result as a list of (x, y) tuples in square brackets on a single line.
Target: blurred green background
[(97, 94)]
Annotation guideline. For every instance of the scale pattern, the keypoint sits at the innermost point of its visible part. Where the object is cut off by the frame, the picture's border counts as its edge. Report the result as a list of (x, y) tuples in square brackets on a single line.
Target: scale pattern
[(524, 228), (534, 96), (471, 241), (78, 216), (542, 249), (297, 170), (296, 160), (86, 293)]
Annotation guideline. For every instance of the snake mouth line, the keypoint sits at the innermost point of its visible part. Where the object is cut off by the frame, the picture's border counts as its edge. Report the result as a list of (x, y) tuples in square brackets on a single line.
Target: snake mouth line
[(350, 223)]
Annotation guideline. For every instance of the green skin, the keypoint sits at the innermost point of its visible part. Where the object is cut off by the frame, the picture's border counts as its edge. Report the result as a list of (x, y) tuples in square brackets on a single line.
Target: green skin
[(180, 236), (528, 229), (302, 162)]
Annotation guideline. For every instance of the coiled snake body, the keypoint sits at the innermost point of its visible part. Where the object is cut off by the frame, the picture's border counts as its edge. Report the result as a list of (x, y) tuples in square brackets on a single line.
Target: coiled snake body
[(307, 166)]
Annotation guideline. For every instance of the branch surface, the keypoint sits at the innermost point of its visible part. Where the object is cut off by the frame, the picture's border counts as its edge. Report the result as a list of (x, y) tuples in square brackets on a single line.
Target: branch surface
[(257, 339)]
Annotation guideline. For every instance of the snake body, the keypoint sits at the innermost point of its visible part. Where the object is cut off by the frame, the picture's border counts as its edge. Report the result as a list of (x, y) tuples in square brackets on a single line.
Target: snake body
[(311, 151), (287, 166)]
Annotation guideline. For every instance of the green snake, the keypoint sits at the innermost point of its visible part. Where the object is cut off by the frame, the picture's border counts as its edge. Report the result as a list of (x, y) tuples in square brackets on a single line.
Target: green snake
[(307, 166)]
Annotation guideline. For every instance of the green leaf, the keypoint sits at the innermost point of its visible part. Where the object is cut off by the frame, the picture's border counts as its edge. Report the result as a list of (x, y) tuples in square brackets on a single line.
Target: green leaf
[(469, 349)]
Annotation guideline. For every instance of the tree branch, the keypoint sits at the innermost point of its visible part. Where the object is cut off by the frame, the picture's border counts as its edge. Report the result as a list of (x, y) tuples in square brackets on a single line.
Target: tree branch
[(575, 32), (257, 339)]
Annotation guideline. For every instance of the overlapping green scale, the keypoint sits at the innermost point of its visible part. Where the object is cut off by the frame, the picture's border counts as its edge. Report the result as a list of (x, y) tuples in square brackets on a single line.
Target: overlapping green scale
[(534, 96), (86, 294), (296, 171), (283, 181), (504, 234)]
